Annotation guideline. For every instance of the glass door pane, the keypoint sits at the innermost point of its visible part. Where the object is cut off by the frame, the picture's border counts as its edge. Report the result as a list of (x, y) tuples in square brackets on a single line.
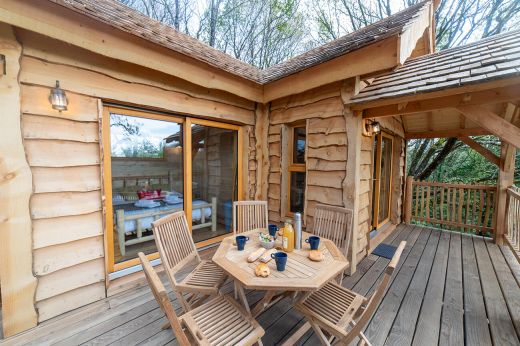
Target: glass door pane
[(386, 172), (214, 157), (147, 179)]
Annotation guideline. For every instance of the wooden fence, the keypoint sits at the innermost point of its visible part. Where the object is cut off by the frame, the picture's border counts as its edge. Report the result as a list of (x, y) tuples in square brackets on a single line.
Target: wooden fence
[(458, 207), (512, 235)]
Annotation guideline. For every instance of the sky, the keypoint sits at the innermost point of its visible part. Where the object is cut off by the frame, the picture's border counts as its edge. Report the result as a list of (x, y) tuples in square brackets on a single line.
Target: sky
[(150, 129)]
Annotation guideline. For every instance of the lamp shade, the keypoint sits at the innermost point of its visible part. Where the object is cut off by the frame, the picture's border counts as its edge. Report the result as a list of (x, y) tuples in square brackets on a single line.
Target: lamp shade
[(58, 98)]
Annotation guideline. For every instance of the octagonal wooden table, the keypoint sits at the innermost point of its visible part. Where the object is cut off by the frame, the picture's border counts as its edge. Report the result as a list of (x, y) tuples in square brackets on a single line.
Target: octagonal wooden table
[(300, 275)]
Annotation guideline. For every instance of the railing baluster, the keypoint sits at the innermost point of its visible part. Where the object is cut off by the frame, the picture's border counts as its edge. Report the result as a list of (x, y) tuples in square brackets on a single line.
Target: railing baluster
[(459, 207)]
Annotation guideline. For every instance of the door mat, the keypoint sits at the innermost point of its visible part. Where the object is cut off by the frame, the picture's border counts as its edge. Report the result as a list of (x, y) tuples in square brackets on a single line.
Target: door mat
[(384, 250)]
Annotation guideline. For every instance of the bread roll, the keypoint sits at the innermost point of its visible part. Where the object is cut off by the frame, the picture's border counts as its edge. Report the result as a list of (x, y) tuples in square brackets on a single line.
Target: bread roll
[(255, 255), (262, 270), (316, 255), (266, 257)]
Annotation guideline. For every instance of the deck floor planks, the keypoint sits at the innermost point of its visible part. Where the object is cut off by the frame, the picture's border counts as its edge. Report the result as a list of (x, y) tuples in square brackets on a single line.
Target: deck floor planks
[(373, 276), (507, 282), (401, 332), (428, 325), (381, 323), (512, 262), (493, 269), (502, 329), (452, 321), (476, 327), (362, 268)]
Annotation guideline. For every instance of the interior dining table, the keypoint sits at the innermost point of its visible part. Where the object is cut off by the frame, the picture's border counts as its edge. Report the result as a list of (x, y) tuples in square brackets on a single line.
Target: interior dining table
[(301, 276)]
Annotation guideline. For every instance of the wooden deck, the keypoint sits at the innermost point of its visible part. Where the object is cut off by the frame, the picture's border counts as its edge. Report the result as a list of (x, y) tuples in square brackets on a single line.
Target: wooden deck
[(446, 289)]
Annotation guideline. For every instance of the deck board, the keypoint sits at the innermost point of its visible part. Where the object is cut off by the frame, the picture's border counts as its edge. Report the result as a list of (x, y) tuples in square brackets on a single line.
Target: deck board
[(452, 320), (502, 329), (427, 328), (475, 319), (461, 281), (381, 323), (507, 283), (401, 333)]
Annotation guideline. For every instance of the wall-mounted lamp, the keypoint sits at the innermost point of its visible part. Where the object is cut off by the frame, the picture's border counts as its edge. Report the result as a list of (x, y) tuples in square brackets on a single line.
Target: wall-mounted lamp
[(371, 128), (58, 98)]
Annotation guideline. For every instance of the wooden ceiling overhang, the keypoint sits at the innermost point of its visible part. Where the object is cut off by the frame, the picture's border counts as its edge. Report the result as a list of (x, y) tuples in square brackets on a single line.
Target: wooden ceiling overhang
[(486, 108)]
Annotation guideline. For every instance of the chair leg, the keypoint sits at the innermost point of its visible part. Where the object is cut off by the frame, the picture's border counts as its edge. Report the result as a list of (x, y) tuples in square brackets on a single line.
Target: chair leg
[(166, 325), (319, 333), (363, 340), (185, 305)]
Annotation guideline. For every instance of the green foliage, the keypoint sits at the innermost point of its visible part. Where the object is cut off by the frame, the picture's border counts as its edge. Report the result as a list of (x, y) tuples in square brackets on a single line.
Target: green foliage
[(144, 148), (462, 165)]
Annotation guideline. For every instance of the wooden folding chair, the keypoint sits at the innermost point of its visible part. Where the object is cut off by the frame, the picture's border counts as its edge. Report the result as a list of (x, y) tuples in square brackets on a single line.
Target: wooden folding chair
[(177, 249), (220, 321), (342, 313), (248, 215), (334, 223)]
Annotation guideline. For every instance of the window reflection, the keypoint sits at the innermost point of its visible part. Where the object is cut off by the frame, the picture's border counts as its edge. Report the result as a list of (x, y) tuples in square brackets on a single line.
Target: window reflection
[(147, 179)]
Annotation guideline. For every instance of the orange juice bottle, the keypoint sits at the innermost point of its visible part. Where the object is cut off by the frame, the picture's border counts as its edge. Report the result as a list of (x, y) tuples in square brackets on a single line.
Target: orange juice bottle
[(288, 237)]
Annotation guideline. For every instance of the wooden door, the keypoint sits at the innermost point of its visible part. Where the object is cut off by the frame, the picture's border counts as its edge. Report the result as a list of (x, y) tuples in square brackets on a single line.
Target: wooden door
[(382, 186)]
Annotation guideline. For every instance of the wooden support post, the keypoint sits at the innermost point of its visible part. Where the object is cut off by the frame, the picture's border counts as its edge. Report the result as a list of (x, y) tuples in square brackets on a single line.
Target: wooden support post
[(505, 180), (262, 150), (408, 200), (18, 283), (353, 125)]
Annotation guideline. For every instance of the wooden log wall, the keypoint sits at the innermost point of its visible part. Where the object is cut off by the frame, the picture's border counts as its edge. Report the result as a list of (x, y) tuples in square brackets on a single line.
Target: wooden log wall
[(322, 110), (63, 152)]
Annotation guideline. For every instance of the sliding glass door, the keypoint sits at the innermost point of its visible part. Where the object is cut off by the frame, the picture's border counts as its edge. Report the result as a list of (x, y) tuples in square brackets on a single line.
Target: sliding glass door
[(383, 149), (157, 164), (214, 184)]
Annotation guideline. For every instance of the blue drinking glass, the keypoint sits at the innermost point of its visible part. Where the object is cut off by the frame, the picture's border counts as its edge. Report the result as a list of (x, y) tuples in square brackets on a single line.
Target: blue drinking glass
[(281, 260), (314, 242), (272, 230), (241, 242)]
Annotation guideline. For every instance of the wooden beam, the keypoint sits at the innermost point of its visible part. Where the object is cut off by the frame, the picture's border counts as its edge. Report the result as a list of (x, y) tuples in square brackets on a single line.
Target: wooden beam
[(485, 93), (55, 21), (382, 56), (18, 284), (351, 183), (447, 133), (262, 151), (488, 154), (493, 123)]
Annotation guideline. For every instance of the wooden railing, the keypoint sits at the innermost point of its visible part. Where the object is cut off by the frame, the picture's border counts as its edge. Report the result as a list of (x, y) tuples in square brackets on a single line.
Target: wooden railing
[(458, 207), (512, 235)]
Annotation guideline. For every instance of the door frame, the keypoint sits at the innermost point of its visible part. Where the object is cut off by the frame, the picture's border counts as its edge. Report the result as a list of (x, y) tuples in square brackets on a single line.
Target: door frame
[(376, 223), (186, 122)]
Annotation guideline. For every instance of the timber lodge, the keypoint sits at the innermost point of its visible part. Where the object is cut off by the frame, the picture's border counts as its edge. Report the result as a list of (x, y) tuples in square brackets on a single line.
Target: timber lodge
[(146, 180)]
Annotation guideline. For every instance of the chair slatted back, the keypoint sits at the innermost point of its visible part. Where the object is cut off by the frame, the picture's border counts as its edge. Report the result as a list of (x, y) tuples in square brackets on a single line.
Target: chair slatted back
[(334, 223), (248, 215), (376, 297), (174, 242), (161, 296)]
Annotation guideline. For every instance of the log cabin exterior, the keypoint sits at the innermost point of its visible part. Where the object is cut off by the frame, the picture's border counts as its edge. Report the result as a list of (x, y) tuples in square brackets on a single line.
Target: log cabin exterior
[(58, 247)]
